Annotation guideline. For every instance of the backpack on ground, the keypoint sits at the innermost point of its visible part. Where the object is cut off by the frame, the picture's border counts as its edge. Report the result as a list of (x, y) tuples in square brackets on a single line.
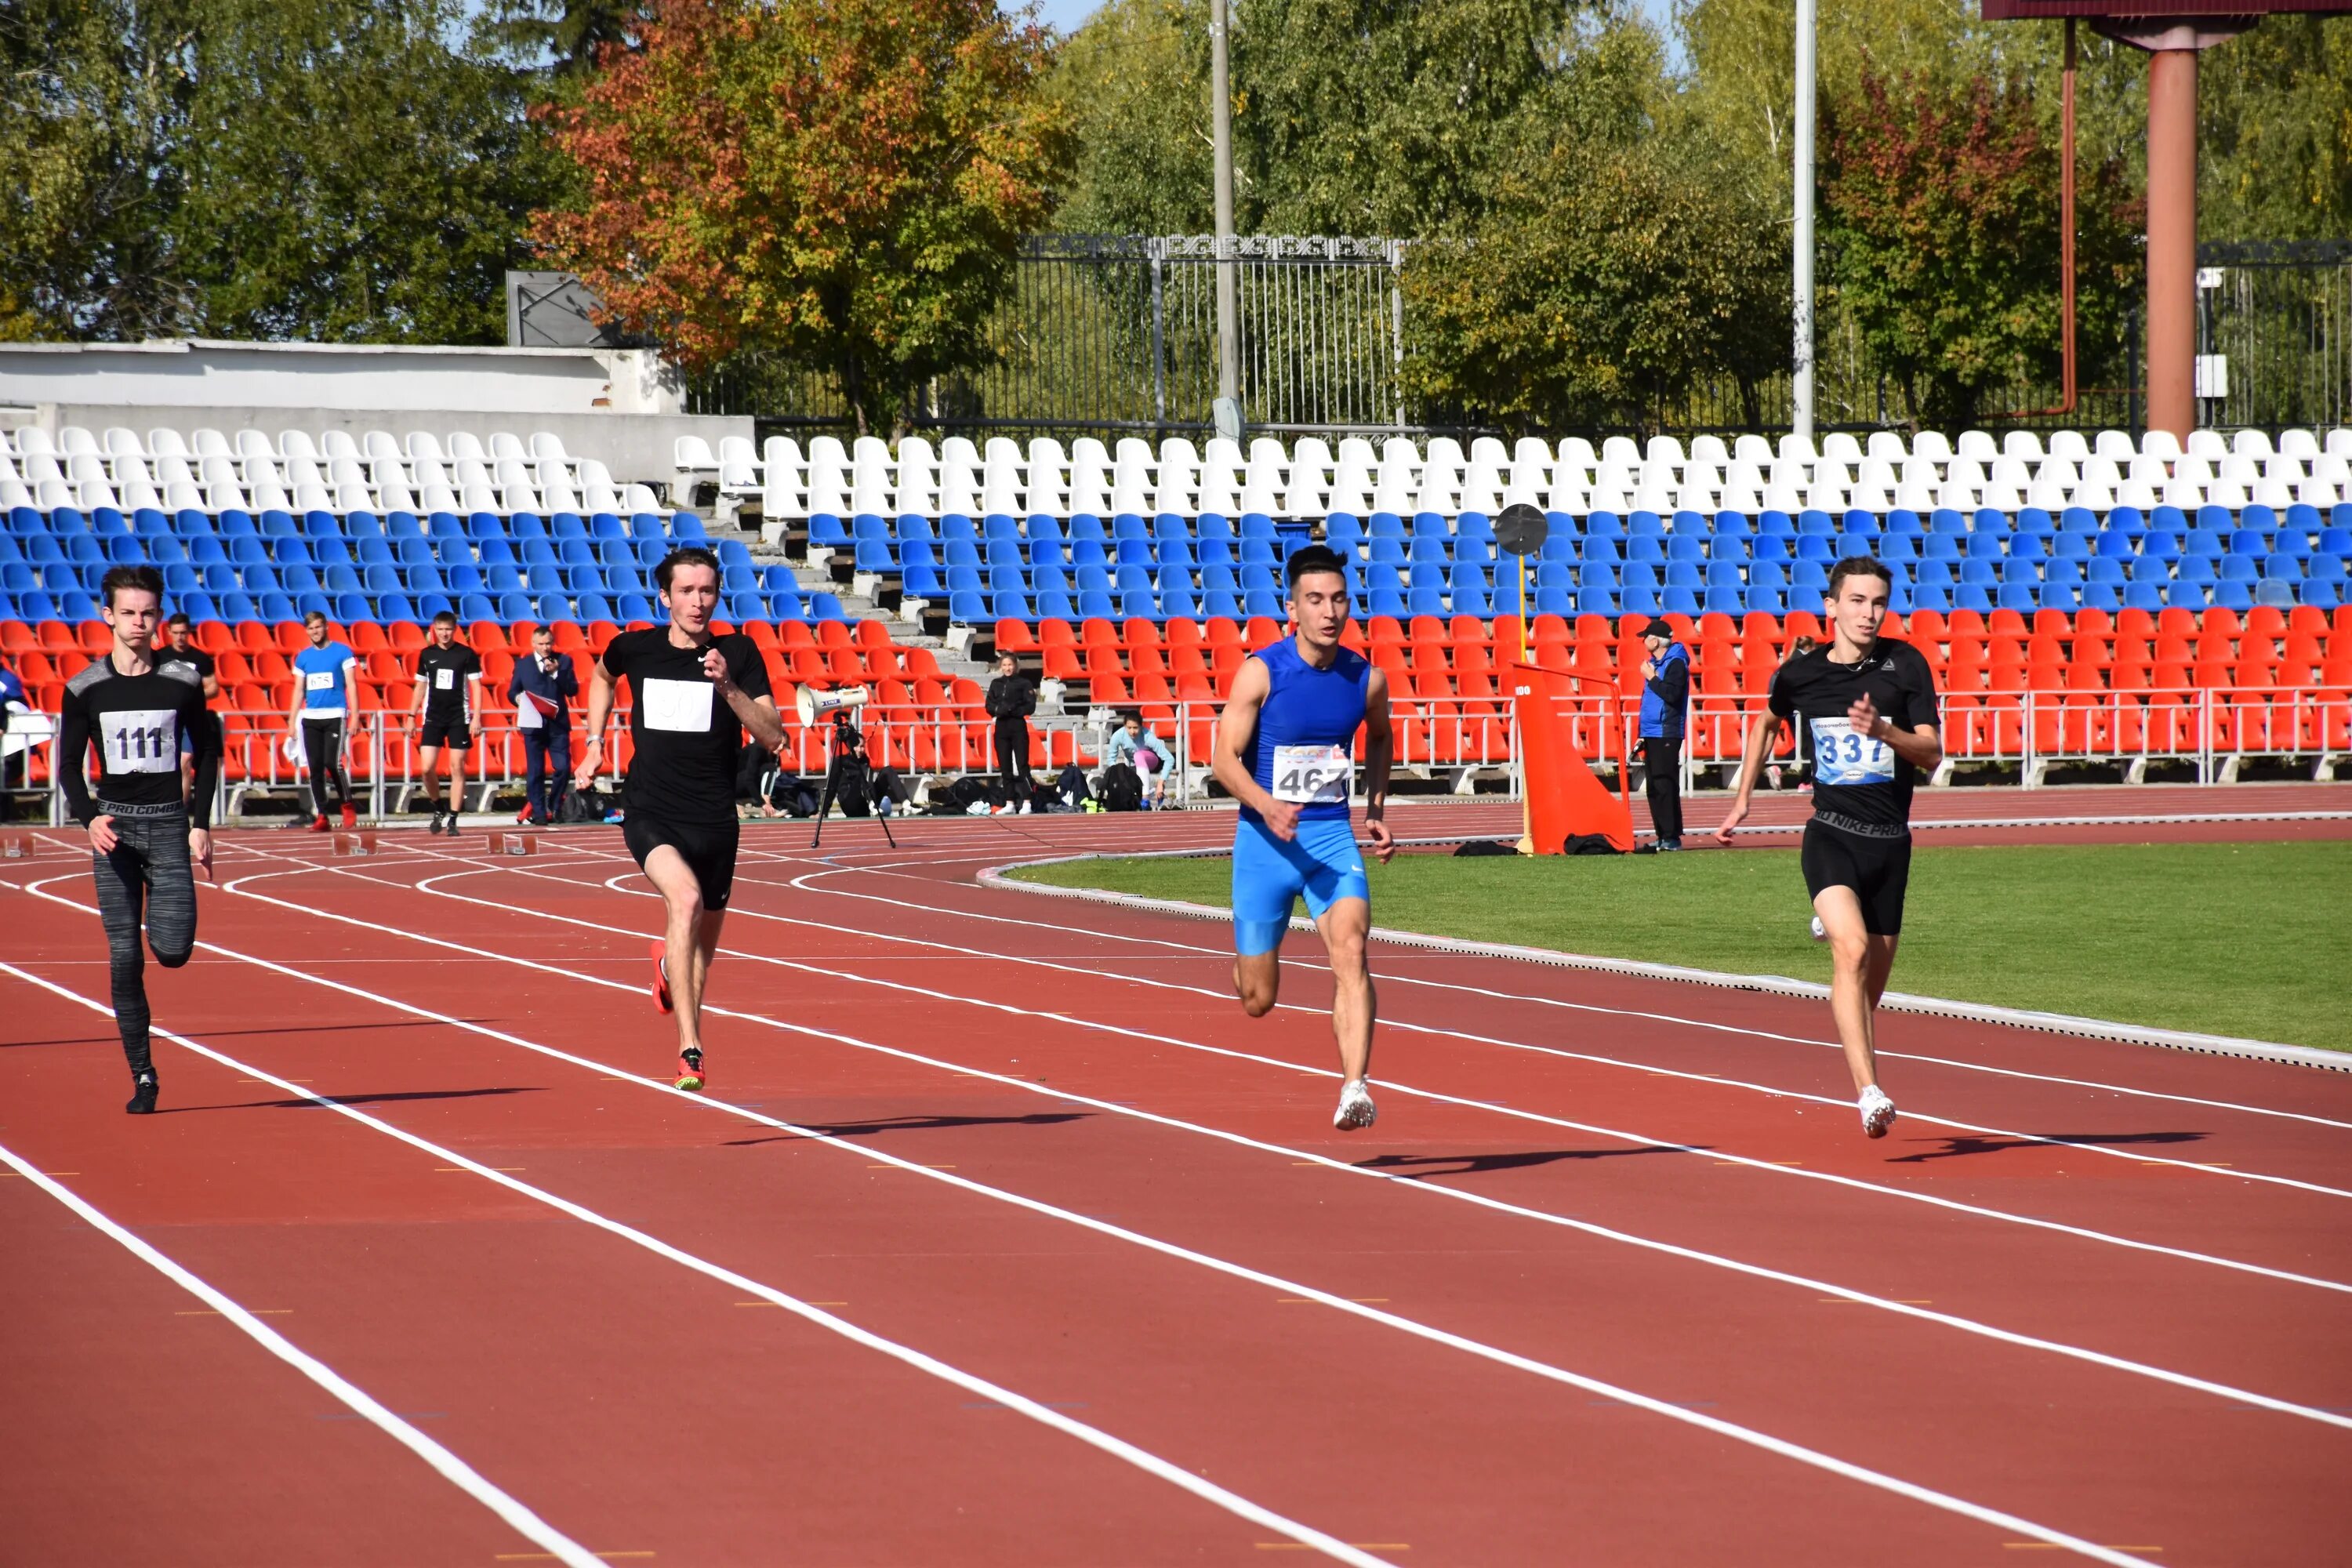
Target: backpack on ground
[(1122, 788), (1071, 791), (590, 804)]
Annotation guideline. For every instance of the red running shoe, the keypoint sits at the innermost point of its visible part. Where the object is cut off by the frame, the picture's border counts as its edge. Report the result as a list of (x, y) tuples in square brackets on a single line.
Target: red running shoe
[(351, 818), (319, 824), (661, 976), (691, 1076)]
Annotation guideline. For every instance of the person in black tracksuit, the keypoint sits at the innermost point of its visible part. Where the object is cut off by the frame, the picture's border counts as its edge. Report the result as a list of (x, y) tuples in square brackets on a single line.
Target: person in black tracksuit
[(1665, 702), (1011, 700), (136, 713)]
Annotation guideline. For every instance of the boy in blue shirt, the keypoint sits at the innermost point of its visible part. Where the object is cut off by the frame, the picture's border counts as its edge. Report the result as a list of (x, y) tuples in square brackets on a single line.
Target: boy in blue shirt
[(322, 700)]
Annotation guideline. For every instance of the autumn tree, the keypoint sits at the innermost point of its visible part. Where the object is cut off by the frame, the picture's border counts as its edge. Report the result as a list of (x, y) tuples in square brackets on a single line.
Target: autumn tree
[(841, 184), (1941, 217)]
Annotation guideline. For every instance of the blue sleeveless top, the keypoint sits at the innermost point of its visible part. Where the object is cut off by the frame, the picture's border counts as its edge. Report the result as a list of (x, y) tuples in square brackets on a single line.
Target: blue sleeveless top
[(1307, 713)]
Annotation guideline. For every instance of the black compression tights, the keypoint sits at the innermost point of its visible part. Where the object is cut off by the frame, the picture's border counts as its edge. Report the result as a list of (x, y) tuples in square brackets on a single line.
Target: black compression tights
[(146, 875)]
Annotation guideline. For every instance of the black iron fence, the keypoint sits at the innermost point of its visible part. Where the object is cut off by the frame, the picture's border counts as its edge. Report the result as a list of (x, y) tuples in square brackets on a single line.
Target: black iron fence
[(1118, 332)]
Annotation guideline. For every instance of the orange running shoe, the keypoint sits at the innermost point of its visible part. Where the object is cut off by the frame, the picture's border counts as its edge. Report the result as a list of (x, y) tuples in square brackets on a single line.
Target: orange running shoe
[(689, 1071), (661, 976), (351, 818)]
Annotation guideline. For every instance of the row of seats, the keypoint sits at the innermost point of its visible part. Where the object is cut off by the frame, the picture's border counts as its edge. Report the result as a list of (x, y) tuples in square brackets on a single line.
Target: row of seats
[(357, 566), (1310, 479)]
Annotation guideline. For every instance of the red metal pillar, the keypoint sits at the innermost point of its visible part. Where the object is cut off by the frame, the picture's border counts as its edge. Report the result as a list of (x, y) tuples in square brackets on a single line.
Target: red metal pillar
[(2172, 239)]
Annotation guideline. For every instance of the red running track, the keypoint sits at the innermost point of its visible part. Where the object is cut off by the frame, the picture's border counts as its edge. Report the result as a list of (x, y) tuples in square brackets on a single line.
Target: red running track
[(1614, 1281)]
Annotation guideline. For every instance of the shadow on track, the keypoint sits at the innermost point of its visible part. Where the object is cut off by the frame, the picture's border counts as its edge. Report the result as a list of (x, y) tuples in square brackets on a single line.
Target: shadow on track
[(916, 1124), (1418, 1165), (1955, 1148), (333, 1100)]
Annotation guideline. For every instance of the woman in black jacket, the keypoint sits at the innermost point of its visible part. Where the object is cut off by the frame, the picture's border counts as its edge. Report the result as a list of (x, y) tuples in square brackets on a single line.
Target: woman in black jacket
[(1011, 700)]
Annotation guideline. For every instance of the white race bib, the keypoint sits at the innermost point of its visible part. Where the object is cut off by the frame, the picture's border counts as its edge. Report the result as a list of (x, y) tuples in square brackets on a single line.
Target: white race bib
[(444, 679), (683, 706), (1312, 775), (1842, 757), (142, 740), (319, 680)]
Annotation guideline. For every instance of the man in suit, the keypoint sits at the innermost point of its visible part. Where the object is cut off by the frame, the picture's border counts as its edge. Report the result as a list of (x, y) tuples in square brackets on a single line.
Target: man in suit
[(543, 687)]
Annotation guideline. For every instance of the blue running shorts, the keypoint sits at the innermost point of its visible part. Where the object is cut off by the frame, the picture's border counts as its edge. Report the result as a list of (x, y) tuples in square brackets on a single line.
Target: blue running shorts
[(1322, 862)]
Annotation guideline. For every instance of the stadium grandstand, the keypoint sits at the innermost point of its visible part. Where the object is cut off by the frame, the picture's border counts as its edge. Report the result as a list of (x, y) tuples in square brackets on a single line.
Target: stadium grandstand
[(2081, 597)]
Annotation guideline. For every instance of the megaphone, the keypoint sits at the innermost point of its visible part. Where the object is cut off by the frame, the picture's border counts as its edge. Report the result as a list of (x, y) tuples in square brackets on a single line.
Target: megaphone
[(813, 704)]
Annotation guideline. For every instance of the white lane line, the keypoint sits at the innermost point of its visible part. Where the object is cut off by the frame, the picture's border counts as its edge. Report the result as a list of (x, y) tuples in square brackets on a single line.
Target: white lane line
[(1392, 1085), (1093, 1436), (446, 1465), (1045, 1413), (806, 883), (1296, 1156)]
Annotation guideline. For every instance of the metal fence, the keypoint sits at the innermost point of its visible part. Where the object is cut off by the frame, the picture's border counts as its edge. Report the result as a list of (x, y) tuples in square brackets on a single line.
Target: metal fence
[(1104, 333), (2280, 318)]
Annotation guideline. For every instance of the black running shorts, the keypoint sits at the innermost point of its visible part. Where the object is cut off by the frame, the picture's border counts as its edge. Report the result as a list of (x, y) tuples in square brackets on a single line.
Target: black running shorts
[(1877, 869), (445, 733), (707, 847)]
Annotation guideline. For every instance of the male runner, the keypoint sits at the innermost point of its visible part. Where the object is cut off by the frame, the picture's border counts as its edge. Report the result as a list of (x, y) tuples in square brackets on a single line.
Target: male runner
[(179, 646), (322, 697), (1872, 708), (692, 695), (447, 670), (1283, 747), (142, 835)]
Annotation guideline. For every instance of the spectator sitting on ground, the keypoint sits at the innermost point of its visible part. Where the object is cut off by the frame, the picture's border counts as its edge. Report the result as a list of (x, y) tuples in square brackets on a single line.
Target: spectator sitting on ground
[(1148, 754)]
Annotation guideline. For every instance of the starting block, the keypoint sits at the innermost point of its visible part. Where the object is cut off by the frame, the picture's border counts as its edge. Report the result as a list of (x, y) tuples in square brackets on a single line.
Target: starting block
[(17, 846), (351, 845), (519, 843)]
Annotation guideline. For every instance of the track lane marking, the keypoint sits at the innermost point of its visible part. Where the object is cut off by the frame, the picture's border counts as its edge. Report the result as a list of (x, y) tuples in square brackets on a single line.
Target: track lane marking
[(1494, 1107), (1038, 1410), (907, 1356), (1906, 1309), (804, 883), (556, 1545)]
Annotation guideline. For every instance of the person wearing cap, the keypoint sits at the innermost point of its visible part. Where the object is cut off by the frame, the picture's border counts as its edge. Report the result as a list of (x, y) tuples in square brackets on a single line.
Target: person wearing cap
[(1666, 700)]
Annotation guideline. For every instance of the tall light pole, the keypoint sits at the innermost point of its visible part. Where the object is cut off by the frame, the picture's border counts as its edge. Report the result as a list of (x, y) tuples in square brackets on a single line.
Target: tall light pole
[(1801, 364), (1221, 119)]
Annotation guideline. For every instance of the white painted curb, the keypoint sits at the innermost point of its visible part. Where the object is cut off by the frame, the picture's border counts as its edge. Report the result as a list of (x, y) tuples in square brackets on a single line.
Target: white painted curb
[(1778, 985)]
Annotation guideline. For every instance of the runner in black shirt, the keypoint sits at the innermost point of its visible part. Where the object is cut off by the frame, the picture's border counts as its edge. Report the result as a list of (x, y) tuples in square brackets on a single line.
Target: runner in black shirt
[(179, 646), (447, 670), (138, 713), (691, 694), (1871, 706)]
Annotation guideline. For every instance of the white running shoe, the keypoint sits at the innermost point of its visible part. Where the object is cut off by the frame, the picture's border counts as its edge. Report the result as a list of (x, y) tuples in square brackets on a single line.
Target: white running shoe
[(1821, 931), (1877, 1111), (1356, 1110)]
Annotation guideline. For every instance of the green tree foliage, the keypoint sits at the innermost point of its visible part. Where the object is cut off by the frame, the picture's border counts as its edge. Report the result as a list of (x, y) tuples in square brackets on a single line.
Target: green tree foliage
[(312, 169), (1606, 280), (1134, 82), (1939, 213), (842, 185), (2274, 111), (562, 38)]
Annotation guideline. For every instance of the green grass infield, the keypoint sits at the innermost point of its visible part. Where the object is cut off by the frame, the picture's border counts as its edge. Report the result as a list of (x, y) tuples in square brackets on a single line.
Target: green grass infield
[(2251, 940)]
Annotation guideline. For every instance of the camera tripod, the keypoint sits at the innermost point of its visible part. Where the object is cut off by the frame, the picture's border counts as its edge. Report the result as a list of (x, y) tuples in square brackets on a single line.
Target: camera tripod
[(825, 798)]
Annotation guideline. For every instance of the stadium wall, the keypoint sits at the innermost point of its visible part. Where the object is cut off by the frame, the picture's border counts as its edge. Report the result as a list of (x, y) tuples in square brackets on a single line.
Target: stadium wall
[(623, 405)]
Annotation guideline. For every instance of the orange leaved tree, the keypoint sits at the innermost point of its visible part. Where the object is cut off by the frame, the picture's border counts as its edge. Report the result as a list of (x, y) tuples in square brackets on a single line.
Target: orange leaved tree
[(841, 184)]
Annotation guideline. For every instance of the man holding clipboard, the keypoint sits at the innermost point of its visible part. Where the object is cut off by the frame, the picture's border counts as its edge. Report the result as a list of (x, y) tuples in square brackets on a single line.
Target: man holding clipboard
[(543, 687)]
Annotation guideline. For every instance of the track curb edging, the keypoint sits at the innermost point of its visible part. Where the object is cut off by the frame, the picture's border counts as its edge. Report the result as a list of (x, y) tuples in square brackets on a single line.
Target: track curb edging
[(1778, 985)]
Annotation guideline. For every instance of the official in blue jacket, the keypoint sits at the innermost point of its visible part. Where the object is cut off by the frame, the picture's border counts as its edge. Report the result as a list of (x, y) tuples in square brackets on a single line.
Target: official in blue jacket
[(543, 687), (1666, 701)]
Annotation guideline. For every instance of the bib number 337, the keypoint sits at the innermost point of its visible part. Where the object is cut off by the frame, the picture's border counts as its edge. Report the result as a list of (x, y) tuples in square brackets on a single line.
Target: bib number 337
[(1842, 757), (1312, 775)]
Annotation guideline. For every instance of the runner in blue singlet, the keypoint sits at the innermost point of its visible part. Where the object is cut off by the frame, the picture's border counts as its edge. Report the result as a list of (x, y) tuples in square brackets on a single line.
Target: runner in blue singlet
[(1282, 751)]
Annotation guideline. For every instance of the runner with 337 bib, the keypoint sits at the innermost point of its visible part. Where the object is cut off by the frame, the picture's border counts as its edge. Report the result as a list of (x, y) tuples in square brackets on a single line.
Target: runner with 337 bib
[(1284, 750), (1870, 705)]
